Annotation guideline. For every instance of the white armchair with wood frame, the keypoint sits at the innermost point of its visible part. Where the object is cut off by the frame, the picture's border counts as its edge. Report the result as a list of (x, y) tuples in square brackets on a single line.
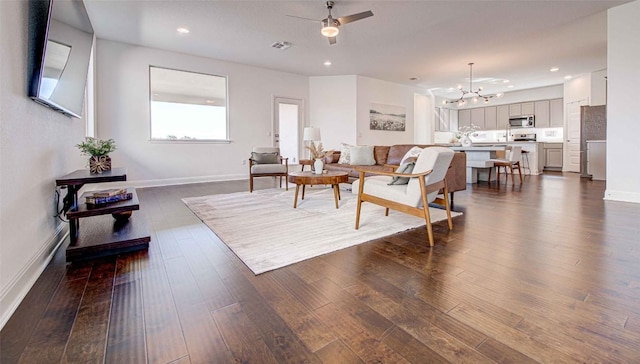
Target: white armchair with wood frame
[(422, 185), (267, 162)]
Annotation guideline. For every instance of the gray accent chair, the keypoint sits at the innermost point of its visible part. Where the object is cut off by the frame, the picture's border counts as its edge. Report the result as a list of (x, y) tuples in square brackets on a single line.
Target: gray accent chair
[(267, 162)]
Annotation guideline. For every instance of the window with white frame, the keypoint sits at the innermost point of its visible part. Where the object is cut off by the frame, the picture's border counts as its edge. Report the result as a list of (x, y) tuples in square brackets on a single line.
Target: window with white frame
[(188, 106)]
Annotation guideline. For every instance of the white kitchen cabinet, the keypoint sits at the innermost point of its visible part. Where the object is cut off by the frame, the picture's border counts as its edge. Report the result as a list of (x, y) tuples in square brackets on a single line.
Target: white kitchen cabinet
[(477, 117), (490, 118), (515, 109), (556, 116), (502, 117), (464, 118), (541, 112)]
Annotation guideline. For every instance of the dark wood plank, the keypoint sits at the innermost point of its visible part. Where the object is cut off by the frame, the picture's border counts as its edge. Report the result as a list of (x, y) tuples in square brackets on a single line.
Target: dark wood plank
[(87, 342), (544, 272), (285, 345), (126, 340), (337, 352), (50, 336), (244, 341)]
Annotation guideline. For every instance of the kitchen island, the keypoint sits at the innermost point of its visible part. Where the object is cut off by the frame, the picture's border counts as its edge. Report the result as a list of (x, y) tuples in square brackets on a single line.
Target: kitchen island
[(479, 154)]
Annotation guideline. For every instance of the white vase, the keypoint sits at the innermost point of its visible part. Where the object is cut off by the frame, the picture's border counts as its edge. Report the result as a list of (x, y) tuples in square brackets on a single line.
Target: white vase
[(466, 141), (318, 166)]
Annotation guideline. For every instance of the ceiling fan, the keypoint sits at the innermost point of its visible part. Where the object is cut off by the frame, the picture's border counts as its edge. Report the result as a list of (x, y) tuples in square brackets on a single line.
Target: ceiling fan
[(330, 25)]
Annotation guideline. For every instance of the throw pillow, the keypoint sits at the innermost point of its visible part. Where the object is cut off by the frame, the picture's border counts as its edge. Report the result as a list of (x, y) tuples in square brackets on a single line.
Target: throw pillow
[(404, 168), (265, 158), (413, 152), (345, 157), (362, 155)]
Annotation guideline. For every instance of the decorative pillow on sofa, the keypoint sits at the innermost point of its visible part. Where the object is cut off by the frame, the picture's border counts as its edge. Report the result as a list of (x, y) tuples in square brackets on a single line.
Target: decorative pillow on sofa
[(404, 168), (345, 156), (362, 155), (413, 152), (265, 158)]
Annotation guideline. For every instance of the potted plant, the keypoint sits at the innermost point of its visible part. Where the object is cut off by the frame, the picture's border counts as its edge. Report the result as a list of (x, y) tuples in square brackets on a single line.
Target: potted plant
[(318, 153), (98, 150)]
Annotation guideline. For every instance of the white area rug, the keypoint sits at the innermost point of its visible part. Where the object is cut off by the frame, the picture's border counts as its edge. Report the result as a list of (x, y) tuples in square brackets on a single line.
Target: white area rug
[(266, 232)]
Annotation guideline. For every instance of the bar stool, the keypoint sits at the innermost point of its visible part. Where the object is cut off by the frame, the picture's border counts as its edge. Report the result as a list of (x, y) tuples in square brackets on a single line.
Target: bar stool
[(509, 164), (525, 161)]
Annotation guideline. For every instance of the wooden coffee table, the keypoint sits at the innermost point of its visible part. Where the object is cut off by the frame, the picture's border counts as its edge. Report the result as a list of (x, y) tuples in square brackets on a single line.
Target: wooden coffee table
[(309, 178)]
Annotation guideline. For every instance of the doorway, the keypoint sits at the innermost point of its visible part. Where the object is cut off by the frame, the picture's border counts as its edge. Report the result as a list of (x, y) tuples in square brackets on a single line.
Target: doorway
[(572, 145), (286, 127)]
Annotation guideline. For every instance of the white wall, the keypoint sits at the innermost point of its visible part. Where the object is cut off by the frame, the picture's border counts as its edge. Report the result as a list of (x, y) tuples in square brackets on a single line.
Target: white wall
[(623, 113), (123, 114), (598, 95), (332, 108), (371, 90), (37, 145), (576, 89)]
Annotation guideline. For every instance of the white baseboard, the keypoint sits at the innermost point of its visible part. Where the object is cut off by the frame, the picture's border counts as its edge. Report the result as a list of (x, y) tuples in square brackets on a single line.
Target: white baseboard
[(15, 291), (622, 196)]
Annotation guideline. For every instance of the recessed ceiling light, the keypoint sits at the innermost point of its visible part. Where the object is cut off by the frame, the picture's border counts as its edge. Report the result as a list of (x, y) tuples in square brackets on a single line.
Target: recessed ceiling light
[(505, 81), (567, 77), (510, 86), (554, 69), (327, 63), (210, 102), (183, 30)]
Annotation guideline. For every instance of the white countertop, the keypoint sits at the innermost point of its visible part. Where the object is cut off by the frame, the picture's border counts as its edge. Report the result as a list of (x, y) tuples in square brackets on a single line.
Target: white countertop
[(481, 148)]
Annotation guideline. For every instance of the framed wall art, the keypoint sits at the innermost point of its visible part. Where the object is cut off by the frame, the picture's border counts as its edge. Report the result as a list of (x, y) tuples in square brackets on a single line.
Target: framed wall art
[(387, 117)]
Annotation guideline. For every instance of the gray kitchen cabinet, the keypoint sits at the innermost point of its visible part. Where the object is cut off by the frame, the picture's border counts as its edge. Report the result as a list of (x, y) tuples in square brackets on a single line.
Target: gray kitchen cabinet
[(502, 116), (541, 111), (556, 115), (477, 117), (464, 118), (553, 156), (528, 108), (490, 118), (515, 109)]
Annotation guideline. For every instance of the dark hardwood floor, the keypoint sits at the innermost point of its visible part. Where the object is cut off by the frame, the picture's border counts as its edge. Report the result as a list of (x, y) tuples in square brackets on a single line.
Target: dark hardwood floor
[(543, 272)]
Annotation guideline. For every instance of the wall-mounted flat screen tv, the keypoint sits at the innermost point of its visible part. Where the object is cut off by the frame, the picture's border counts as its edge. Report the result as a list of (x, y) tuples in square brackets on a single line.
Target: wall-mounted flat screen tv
[(61, 38)]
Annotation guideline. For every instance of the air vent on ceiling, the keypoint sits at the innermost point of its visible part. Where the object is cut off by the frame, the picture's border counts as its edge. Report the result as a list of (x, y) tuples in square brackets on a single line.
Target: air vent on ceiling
[(281, 45)]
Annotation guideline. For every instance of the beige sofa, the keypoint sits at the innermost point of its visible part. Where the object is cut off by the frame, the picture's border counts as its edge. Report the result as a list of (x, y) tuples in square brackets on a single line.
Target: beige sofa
[(388, 157)]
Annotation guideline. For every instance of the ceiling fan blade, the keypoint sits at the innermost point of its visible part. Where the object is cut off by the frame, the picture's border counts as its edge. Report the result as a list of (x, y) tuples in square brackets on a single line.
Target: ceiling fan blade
[(354, 17), (332, 40), (303, 18)]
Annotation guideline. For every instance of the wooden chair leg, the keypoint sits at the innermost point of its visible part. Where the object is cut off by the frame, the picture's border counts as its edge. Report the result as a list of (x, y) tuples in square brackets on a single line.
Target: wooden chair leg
[(360, 190), (447, 208), (489, 179), (425, 208), (250, 184), (286, 182), (386, 212), (519, 171), (513, 177)]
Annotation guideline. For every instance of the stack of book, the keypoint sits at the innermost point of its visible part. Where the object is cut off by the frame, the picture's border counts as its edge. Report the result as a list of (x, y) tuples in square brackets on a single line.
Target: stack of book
[(108, 196)]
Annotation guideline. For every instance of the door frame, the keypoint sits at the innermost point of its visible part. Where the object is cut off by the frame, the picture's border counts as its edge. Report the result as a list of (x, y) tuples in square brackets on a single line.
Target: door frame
[(301, 123)]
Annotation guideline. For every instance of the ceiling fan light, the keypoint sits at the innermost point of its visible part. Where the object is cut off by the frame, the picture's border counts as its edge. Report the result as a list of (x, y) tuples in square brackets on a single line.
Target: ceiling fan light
[(330, 31), (329, 27)]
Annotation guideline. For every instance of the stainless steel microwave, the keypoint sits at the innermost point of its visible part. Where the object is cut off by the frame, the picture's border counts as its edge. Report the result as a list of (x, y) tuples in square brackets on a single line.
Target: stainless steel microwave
[(524, 121)]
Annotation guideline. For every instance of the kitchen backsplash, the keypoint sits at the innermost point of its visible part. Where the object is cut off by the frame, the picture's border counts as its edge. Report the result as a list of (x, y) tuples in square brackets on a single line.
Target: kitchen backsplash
[(546, 135)]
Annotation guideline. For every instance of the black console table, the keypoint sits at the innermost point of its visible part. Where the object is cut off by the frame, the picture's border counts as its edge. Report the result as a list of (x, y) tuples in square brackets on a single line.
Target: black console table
[(101, 235)]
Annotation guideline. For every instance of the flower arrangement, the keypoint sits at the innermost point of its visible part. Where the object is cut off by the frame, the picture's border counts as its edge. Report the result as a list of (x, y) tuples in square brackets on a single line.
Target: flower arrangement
[(318, 151), (96, 147), (466, 130)]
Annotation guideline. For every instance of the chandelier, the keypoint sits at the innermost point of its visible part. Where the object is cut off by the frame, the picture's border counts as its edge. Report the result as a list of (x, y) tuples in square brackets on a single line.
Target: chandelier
[(476, 94)]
